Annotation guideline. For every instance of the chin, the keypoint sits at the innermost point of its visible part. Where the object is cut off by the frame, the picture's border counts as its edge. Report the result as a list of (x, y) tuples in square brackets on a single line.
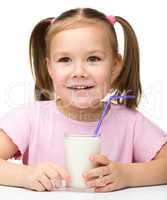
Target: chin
[(84, 103)]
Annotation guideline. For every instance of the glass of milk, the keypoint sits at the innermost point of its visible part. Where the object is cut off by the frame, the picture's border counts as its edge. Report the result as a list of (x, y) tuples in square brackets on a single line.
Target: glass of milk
[(78, 148)]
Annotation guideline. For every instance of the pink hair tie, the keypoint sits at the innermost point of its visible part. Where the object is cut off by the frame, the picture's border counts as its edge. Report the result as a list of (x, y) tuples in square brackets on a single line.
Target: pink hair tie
[(53, 20), (112, 19)]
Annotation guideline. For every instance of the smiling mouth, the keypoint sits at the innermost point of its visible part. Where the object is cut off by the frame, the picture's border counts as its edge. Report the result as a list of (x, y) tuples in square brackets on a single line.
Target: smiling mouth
[(80, 87)]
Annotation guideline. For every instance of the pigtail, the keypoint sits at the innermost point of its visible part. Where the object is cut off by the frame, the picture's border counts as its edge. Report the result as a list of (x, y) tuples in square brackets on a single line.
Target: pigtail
[(128, 81), (37, 56)]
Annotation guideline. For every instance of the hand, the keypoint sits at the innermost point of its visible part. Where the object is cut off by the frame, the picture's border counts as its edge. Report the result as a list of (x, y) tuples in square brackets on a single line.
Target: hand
[(43, 176), (109, 176)]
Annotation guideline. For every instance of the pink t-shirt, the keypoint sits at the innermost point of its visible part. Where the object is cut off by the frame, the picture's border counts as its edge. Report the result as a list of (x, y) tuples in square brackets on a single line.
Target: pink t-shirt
[(38, 131)]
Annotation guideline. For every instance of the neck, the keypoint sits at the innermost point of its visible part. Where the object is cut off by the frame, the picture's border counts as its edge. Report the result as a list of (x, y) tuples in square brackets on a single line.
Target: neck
[(87, 115)]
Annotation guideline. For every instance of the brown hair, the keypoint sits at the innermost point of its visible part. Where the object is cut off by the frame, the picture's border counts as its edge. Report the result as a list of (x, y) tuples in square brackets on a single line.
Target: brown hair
[(128, 81)]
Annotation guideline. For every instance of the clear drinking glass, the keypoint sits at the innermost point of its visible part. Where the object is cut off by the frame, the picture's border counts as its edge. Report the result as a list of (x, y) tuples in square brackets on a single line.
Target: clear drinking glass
[(78, 148)]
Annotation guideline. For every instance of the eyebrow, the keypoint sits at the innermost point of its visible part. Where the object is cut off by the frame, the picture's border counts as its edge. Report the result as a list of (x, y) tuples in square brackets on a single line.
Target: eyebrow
[(96, 51), (88, 52)]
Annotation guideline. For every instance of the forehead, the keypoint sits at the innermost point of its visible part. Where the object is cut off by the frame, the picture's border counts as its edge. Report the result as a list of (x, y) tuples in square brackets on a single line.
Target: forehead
[(80, 39)]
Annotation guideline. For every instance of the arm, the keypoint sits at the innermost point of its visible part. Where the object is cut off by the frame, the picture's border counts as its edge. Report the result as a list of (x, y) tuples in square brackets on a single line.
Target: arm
[(149, 173), (10, 173)]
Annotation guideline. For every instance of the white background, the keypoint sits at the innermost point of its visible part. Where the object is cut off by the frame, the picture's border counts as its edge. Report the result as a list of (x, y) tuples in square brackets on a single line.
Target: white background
[(148, 18)]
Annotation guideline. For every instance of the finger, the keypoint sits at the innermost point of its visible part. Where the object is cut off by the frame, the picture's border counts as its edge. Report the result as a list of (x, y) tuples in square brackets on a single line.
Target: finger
[(54, 176), (96, 172), (101, 159), (57, 182), (38, 187), (67, 184), (108, 188), (46, 182), (100, 181), (63, 173)]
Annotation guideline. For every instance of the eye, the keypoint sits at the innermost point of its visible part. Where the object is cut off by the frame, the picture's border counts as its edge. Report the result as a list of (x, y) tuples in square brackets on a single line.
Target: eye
[(64, 59), (94, 58)]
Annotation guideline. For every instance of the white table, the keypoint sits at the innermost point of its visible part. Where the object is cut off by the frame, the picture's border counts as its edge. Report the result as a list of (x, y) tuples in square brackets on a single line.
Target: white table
[(139, 193)]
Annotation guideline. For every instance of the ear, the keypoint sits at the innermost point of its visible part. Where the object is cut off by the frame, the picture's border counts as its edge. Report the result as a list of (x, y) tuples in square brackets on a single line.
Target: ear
[(116, 68), (49, 67)]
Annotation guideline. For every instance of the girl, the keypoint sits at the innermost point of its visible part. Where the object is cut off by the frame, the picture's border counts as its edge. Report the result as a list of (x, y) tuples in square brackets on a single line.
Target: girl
[(75, 62)]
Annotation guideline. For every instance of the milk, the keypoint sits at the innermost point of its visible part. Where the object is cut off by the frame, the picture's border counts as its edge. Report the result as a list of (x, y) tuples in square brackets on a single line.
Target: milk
[(78, 148)]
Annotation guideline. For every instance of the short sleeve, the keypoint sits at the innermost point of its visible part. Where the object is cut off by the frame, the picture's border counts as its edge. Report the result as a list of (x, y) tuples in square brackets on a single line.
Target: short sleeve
[(16, 124), (148, 139)]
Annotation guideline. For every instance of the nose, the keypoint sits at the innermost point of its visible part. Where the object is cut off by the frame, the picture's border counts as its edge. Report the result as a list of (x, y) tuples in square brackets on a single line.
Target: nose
[(79, 71)]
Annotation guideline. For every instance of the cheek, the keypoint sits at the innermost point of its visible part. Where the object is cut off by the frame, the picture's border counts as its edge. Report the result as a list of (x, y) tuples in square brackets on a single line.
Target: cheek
[(103, 79), (102, 74), (58, 79), (103, 85)]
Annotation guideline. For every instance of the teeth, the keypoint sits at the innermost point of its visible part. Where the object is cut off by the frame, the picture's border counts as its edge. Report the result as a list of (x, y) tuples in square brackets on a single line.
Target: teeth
[(80, 87)]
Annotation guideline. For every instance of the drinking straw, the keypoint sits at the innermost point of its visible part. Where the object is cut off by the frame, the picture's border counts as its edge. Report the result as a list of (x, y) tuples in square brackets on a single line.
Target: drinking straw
[(96, 133)]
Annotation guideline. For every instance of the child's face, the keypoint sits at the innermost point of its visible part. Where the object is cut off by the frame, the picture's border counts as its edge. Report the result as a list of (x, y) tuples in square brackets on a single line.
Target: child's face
[(80, 66)]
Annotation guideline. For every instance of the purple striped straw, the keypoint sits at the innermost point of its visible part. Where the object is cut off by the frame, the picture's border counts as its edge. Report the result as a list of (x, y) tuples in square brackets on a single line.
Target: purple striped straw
[(96, 133)]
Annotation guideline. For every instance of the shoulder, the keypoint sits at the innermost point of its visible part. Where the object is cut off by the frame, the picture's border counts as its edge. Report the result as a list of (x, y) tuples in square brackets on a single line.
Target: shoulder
[(124, 112), (38, 105), (40, 108), (29, 109), (122, 117)]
